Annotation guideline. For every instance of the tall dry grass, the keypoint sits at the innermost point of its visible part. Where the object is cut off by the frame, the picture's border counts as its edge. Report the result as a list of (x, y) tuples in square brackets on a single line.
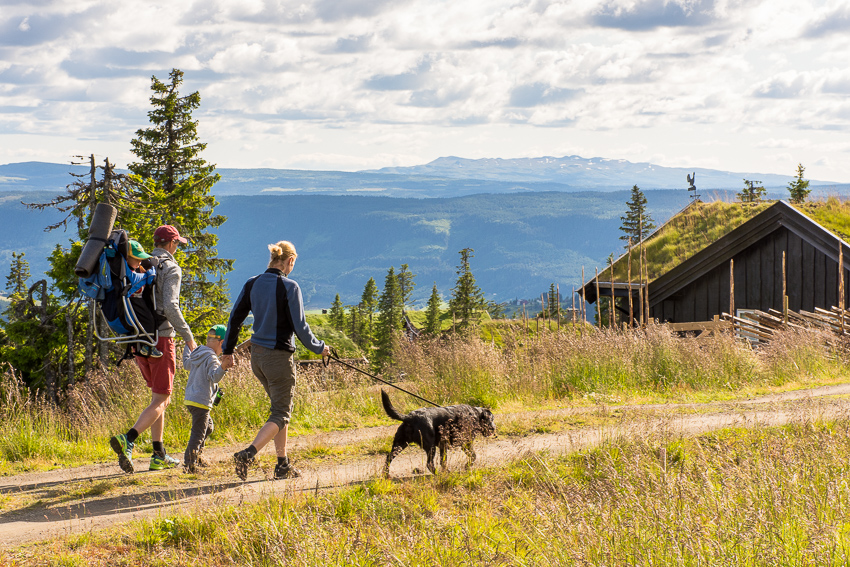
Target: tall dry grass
[(738, 497), (524, 371), (612, 364)]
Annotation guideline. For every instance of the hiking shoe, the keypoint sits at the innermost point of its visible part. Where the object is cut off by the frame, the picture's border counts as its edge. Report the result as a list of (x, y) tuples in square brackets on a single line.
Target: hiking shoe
[(242, 460), (285, 470), (190, 468), (159, 463), (124, 449)]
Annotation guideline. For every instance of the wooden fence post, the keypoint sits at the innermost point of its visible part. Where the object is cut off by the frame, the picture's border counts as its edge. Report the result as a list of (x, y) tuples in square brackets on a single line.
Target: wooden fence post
[(732, 287), (784, 290), (598, 301), (841, 284), (631, 312), (573, 310), (558, 292), (613, 315), (583, 303), (646, 285), (543, 309)]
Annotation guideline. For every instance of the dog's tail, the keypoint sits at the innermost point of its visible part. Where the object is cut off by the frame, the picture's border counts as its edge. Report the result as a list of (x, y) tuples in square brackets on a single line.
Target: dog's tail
[(388, 407)]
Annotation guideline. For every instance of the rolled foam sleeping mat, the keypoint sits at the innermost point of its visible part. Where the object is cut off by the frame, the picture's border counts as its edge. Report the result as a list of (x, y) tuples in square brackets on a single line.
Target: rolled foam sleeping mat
[(101, 227)]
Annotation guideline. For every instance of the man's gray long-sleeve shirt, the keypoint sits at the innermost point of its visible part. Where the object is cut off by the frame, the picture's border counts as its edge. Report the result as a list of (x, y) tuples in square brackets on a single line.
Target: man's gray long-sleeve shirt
[(278, 309), (168, 278)]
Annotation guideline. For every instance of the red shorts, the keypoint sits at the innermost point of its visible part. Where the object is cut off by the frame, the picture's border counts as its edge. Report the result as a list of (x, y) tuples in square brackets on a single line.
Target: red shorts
[(159, 372)]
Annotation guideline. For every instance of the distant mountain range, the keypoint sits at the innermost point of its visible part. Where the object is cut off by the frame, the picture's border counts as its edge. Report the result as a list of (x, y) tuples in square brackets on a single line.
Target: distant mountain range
[(532, 222), (442, 178), (522, 242)]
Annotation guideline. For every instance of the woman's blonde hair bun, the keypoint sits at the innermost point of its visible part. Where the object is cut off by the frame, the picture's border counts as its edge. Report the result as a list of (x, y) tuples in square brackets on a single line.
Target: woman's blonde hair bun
[(281, 252)]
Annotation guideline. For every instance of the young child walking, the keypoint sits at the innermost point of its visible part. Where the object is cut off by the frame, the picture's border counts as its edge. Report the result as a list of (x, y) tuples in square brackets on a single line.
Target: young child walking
[(205, 372)]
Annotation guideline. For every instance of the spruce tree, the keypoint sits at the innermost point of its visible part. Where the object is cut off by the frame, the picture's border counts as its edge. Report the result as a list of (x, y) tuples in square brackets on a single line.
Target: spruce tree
[(799, 188), (637, 223), (34, 343), (176, 180), (467, 300), (19, 274), (406, 284), (368, 305), (752, 192), (336, 315), (554, 302), (389, 323), (432, 312)]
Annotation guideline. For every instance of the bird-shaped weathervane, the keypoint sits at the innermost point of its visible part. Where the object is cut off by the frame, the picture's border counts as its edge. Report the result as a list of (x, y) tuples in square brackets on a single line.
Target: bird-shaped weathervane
[(691, 179)]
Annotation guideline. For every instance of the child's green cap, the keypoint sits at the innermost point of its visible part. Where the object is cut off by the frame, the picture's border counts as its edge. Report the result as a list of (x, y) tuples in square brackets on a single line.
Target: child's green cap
[(137, 252), (218, 331)]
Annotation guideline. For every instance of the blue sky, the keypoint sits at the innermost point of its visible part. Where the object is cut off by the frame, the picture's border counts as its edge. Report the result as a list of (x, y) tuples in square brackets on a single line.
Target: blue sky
[(362, 84)]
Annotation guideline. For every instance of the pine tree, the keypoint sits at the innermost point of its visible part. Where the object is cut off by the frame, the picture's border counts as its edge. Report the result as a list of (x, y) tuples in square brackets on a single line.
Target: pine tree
[(19, 274), (171, 174), (637, 223), (336, 315), (467, 300), (799, 188), (406, 284), (554, 302), (432, 313), (368, 305), (752, 192), (389, 323), (34, 341)]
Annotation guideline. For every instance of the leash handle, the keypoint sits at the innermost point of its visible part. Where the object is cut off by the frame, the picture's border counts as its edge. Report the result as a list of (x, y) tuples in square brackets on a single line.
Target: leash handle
[(334, 356)]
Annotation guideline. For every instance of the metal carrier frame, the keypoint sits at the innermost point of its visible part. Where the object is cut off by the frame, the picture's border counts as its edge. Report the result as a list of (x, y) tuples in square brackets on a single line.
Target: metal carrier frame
[(139, 335)]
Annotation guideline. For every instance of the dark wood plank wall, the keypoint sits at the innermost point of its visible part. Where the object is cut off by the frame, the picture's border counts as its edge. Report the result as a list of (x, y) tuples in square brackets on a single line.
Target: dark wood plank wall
[(811, 279)]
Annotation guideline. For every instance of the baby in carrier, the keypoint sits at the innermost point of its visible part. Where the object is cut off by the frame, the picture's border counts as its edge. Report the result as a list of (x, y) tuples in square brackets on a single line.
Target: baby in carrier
[(140, 298)]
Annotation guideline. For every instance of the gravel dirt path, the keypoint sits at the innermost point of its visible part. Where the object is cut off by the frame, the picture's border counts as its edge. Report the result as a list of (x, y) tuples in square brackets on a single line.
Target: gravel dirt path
[(43, 505)]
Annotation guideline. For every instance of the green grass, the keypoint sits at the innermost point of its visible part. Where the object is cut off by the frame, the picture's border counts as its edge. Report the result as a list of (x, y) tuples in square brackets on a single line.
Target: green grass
[(747, 497), (832, 213), (704, 223), (508, 370)]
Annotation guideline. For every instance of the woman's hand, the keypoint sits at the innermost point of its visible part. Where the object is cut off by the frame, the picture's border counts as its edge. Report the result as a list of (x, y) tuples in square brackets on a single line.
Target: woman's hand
[(327, 351)]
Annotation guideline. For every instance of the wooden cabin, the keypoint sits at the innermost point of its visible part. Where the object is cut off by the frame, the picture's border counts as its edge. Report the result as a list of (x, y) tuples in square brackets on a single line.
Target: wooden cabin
[(773, 243)]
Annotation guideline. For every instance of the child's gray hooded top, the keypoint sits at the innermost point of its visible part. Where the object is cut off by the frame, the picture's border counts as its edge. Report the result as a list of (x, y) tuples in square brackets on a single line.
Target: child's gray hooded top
[(205, 371)]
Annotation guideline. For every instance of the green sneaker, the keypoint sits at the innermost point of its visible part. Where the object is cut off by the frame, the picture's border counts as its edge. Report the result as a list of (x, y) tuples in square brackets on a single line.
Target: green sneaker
[(161, 463), (124, 449)]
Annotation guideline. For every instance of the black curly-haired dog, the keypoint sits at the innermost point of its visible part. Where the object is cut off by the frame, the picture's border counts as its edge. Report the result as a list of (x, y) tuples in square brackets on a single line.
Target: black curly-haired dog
[(442, 427)]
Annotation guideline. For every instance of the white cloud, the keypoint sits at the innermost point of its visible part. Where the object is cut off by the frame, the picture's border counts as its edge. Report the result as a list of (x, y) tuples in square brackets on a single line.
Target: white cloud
[(420, 74)]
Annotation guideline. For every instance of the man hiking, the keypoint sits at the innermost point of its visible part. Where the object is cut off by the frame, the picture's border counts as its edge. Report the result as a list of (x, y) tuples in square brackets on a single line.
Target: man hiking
[(159, 372)]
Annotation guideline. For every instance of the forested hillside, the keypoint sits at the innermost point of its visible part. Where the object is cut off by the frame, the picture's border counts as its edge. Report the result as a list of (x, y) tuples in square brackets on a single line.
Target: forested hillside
[(522, 242)]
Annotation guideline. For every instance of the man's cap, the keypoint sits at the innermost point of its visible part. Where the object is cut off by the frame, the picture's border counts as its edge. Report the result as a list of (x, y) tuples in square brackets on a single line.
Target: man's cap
[(167, 233), (218, 331), (137, 252)]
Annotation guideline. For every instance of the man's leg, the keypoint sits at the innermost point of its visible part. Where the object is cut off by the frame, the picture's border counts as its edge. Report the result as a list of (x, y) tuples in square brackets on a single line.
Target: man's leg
[(153, 416)]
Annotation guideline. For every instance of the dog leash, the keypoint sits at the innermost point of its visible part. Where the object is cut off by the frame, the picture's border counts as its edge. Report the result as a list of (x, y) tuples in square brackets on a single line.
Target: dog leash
[(335, 356)]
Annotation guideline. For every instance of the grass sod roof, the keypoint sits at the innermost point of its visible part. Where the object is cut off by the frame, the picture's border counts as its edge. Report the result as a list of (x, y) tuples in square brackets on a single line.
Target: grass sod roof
[(701, 224)]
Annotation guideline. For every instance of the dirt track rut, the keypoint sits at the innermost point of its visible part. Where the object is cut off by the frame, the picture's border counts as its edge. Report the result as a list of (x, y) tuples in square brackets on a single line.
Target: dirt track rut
[(76, 515)]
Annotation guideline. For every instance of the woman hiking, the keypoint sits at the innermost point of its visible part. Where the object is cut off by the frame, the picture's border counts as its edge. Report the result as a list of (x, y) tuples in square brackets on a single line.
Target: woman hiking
[(278, 308)]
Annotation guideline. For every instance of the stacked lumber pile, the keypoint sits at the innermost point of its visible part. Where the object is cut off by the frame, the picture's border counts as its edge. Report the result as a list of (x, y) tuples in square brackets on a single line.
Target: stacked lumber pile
[(760, 326)]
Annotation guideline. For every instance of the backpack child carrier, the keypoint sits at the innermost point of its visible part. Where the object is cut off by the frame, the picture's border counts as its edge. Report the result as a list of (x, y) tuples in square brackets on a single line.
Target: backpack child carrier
[(112, 286)]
